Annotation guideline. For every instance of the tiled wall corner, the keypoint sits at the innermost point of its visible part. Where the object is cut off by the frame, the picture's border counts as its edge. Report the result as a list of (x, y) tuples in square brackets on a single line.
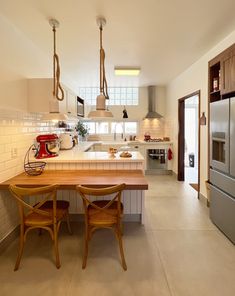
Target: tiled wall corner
[(18, 130)]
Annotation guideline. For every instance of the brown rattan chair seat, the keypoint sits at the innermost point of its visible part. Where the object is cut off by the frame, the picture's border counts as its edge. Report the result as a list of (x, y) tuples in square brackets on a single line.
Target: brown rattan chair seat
[(36, 219), (97, 217)]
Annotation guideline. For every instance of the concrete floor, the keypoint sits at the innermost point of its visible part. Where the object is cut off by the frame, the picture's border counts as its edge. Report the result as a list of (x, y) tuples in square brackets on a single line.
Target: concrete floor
[(178, 252)]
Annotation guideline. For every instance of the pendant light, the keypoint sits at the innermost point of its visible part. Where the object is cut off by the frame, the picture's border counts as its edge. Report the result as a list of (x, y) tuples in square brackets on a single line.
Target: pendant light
[(101, 110), (125, 115), (58, 92)]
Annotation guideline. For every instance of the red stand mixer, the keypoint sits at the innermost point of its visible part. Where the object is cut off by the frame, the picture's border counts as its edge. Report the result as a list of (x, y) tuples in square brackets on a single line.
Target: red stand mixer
[(48, 146)]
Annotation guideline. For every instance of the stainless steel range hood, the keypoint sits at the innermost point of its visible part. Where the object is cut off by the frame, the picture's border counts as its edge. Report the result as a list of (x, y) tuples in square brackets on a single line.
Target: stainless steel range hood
[(152, 103)]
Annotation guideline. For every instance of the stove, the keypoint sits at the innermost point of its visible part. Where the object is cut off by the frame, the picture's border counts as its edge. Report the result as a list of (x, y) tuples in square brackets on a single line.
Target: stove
[(152, 140)]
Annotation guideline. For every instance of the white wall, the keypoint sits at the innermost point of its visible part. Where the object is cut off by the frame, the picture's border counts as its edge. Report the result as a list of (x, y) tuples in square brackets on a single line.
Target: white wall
[(193, 79), (20, 59)]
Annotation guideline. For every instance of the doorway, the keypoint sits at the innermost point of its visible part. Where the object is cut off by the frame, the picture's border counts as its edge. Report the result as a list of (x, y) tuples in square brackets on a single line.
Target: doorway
[(189, 140)]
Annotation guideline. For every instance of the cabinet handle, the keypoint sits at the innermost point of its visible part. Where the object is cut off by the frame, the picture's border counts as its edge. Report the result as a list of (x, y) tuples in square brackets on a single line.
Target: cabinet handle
[(136, 147), (69, 112)]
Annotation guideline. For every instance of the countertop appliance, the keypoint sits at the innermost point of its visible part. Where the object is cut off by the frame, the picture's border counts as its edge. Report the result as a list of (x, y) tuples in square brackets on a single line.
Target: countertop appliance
[(66, 141), (154, 140), (222, 166), (47, 146)]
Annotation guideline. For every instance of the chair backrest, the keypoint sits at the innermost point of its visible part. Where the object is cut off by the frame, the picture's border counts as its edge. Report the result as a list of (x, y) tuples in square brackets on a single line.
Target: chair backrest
[(21, 194), (88, 192)]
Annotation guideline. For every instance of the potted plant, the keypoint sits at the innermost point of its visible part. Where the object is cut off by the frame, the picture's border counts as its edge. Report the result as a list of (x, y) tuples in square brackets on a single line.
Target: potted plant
[(82, 130)]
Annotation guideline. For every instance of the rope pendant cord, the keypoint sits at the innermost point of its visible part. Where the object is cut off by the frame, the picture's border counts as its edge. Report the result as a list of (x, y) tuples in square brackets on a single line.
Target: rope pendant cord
[(103, 81), (58, 91)]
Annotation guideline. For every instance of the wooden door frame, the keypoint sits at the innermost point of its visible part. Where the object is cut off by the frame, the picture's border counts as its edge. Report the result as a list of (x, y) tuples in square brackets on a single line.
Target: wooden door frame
[(181, 136)]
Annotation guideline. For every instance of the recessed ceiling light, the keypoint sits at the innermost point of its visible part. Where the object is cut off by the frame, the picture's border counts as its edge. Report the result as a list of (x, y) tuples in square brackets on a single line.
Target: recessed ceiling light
[(127, 71)]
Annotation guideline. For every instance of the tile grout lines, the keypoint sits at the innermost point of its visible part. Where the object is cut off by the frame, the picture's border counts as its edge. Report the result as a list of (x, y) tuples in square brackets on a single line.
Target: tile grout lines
[(163, 267)]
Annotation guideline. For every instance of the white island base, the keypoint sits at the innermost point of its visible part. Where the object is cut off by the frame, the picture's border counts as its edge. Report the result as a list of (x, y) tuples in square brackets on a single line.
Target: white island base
[(133, 200)]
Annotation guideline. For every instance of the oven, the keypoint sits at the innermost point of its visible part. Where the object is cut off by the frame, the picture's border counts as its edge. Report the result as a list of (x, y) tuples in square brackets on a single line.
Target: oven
[(219, 135), (156, 159)]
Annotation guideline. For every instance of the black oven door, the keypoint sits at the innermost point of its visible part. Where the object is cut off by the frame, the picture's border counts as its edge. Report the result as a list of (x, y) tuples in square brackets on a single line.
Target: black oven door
[(80, 107), (219, 135)]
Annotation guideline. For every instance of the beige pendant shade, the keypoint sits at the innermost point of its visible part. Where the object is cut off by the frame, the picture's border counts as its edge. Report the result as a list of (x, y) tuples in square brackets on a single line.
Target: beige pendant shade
[(101, 110)]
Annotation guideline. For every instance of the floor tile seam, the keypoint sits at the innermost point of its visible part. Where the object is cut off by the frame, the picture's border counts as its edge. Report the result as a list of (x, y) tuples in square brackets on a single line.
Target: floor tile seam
[(184, 229), (68, 290), (163, 267), (72, 274)]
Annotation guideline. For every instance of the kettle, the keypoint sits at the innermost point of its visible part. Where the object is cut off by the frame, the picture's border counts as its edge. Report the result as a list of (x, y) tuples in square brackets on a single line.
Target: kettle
[(66, 141)]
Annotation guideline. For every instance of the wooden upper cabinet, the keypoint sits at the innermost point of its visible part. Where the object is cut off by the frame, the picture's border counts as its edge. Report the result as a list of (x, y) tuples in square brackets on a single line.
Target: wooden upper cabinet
[(228, 71), (222, 75)]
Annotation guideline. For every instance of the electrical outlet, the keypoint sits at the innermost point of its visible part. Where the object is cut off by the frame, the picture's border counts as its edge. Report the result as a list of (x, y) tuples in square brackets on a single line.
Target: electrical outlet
[(14, 152)]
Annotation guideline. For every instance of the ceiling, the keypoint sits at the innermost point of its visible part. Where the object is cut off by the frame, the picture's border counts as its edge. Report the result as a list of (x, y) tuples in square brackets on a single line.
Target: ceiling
[(162, 37)]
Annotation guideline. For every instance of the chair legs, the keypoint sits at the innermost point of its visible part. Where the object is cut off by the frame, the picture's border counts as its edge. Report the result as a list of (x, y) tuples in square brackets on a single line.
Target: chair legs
[(68, 224), (85, 248), (20, 252), (57, 258), (118, 232), (21, 247)]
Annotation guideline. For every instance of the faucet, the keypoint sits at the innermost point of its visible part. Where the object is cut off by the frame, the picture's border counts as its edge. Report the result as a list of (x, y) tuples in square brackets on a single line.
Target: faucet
[(115, 131)]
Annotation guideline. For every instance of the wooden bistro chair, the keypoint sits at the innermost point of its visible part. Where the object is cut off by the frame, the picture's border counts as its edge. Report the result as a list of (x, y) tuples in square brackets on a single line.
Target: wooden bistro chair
[(102, 214), (32, 217)]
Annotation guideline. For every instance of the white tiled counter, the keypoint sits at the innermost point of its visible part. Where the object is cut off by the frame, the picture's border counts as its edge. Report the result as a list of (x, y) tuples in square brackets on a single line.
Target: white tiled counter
[(77, 159), (138, 146)]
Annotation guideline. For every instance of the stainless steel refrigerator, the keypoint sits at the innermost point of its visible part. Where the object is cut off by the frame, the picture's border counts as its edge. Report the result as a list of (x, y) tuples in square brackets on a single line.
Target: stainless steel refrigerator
[(222, 166)]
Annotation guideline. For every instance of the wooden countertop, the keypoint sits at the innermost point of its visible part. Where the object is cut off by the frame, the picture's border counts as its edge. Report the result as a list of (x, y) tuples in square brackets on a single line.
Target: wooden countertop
[(68, 179)]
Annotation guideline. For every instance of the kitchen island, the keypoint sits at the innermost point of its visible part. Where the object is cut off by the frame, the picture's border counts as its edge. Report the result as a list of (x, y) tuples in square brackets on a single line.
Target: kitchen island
[(74, 167), (100, 162)]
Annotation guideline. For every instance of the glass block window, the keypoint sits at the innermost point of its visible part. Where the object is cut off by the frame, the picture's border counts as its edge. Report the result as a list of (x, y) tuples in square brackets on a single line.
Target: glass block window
[(125, 96)]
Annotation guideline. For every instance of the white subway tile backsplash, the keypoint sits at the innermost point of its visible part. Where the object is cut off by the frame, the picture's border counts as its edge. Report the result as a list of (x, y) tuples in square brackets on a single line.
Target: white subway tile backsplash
[(12, 163), (2, 148), (5, 139), (18, 130), (5, 157), (2, 166)]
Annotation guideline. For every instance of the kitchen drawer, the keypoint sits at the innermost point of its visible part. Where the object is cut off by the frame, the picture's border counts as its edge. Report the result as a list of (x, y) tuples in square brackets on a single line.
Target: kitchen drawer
[(223, 181), (222, 212)]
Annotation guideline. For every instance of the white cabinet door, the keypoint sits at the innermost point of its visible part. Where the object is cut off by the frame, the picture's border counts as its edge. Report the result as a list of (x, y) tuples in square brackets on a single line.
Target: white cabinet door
[(41, 99), (71, 103)]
